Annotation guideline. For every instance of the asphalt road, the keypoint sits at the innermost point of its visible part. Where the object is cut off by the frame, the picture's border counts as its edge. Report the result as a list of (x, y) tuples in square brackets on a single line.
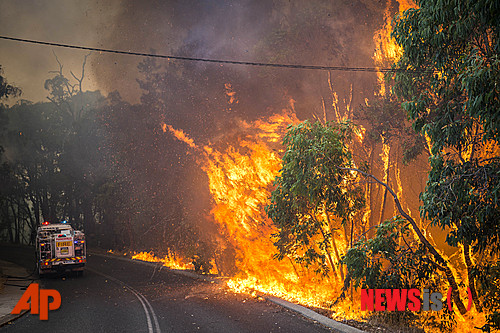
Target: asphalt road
[(119, 296)]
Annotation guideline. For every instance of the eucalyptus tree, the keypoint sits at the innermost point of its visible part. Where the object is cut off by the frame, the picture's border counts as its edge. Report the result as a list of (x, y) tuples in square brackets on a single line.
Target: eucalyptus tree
[(449, 79), (315, 194)]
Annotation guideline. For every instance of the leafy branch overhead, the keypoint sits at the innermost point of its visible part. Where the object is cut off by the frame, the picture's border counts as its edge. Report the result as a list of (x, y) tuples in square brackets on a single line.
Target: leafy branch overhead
[(447, 79), (452, 96)]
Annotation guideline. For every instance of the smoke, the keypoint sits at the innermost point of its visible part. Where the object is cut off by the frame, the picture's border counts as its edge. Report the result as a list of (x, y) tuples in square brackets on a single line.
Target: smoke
[(314, 32), (192, 96), (71, 22), (207, 101)]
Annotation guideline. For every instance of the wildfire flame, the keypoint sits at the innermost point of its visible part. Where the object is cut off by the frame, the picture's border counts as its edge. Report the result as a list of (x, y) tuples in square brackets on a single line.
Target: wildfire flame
[(240, 173), (168, 261), (179, 134), (386, 49)]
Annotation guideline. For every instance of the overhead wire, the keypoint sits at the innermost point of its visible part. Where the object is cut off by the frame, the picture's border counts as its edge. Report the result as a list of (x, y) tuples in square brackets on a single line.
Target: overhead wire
[(207, 60)]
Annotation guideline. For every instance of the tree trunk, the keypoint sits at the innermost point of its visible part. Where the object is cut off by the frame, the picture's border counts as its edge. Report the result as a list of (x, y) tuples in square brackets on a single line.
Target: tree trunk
[(8, 221), (441, 264), (16, 223), (328, 252), (370, 193), (387, 175), (334, 244), (294, 268), (88, 215), (472, 285), (329, 257), (36, 209)]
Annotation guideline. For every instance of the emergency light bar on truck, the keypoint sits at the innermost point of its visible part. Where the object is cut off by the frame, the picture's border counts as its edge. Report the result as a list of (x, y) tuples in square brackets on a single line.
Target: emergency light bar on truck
[(59, 248)]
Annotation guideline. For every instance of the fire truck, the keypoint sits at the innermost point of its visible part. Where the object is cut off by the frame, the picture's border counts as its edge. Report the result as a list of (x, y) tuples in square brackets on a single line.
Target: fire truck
[(60, 248)]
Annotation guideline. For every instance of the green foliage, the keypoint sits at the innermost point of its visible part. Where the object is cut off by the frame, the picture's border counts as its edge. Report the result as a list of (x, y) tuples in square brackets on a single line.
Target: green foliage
[(392, 259), (452, 53), (389, 260), (385, 119), (6, 89), (465, 198), (452, 94), (313, 182), (487, 275)]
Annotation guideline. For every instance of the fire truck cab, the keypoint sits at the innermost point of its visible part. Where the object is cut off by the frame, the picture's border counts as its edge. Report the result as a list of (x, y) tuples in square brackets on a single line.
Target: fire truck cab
[(60, 248)]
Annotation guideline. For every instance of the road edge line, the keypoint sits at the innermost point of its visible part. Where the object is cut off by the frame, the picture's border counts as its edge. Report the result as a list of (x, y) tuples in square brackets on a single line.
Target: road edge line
[(302, 310), (146, 306)]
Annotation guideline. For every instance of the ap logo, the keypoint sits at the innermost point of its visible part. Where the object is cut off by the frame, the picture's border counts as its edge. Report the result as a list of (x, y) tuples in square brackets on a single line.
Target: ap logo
[(39, 301)]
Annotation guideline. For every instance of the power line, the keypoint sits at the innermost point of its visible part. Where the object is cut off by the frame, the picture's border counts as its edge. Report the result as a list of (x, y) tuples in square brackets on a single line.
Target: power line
[(218, 61)]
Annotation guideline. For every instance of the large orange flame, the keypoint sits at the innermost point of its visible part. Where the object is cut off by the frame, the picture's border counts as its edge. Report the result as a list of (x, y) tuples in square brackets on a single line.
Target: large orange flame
[(386, 49), (240, 175), (240, 180), (241, 171)]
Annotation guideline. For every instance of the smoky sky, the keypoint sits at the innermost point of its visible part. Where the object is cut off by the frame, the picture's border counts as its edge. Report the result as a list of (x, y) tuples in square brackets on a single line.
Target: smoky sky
[(332, 33), (314, 32), (205, 29), (192, 96), (71, 22)]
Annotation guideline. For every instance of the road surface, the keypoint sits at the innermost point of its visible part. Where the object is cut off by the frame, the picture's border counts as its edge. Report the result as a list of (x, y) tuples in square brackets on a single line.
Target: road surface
[(120, 296)]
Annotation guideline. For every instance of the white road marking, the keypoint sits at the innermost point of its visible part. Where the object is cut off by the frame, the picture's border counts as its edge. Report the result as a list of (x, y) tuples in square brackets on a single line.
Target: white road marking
[(148, 309)]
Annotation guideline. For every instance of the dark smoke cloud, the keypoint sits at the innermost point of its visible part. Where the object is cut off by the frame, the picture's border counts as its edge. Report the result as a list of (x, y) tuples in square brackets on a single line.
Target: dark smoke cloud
[(205, 29), (250, 31), (188, 95), (341, 34)]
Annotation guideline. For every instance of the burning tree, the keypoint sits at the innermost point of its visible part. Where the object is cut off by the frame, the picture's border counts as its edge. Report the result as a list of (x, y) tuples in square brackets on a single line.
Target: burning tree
[(318, 202), (451, 70), (452, 97), (307, 210)]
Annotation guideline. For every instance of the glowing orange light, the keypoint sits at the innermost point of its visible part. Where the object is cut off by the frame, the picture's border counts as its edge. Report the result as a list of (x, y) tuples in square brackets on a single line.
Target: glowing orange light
[(180, 135)]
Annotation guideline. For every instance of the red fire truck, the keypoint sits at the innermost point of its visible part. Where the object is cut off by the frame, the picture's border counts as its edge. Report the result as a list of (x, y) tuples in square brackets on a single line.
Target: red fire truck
[(60, 248)]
